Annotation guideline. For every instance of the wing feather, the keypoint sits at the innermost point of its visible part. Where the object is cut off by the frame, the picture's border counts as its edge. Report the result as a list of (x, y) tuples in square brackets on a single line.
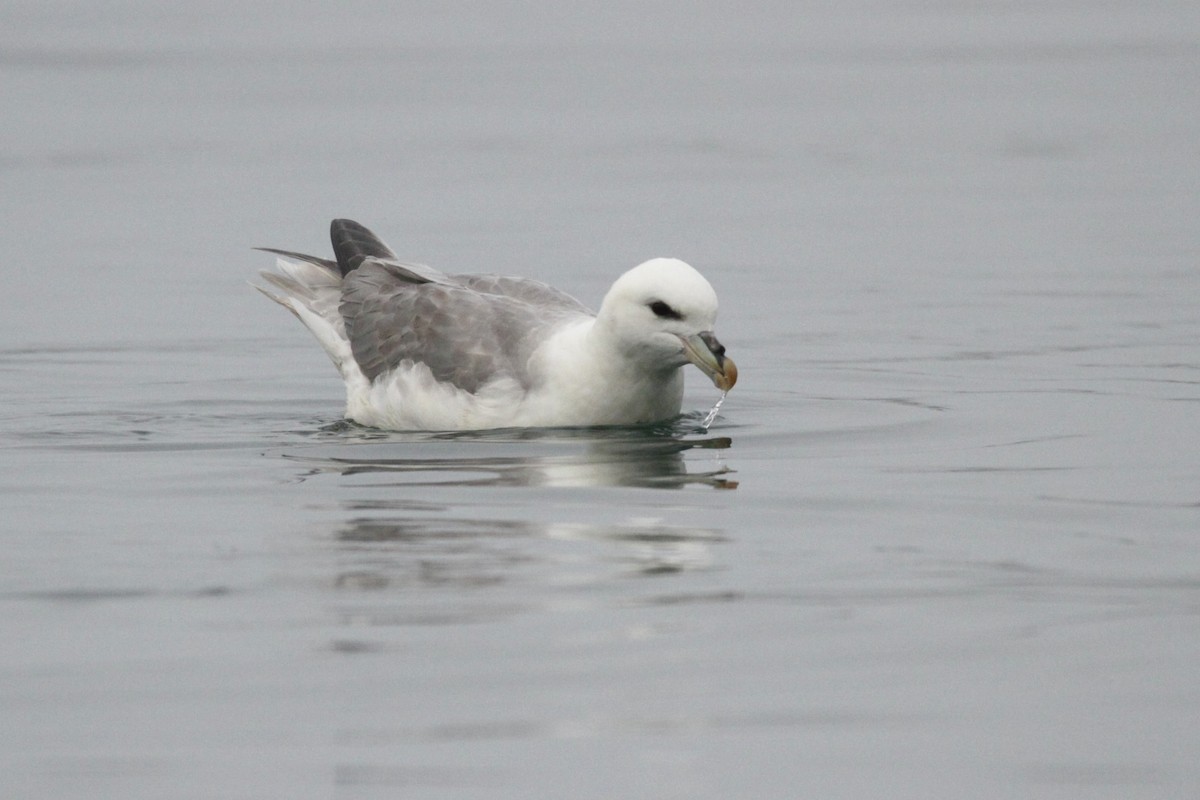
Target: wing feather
[(352, 243), (468, 331)]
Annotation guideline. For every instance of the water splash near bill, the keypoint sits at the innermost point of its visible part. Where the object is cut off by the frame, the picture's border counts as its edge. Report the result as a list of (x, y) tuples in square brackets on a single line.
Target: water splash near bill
[(712, 414)]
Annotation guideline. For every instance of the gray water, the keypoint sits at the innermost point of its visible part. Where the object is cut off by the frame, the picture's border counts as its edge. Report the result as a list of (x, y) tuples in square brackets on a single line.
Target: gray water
[(941, 542)]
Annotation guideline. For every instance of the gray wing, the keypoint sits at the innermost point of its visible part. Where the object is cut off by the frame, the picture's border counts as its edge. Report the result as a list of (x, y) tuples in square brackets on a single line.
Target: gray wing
[(467, 330), (532, 292)]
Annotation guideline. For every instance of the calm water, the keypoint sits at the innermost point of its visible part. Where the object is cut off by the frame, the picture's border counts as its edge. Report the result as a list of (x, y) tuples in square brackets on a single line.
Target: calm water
[(942, 541)]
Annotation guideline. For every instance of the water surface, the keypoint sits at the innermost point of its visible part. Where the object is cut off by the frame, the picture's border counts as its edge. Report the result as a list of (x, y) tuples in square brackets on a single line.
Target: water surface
[(941, 541)]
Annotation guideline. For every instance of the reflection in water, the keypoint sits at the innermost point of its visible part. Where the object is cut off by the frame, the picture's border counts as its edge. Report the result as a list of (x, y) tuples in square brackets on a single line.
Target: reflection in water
[(428, 554), (421, 571), (437, 556), (643, 457)]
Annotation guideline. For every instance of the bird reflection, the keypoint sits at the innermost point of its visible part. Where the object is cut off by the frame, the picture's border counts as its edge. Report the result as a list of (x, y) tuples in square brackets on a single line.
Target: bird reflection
[(434, 552), (417, 548), (526, 458)]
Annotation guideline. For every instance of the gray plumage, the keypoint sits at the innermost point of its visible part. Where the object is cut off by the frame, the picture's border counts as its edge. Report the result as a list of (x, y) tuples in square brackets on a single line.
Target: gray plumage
[(467, 329)]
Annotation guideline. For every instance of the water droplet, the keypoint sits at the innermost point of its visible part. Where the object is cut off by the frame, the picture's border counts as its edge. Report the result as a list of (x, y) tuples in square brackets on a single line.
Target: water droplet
[(712, 415)]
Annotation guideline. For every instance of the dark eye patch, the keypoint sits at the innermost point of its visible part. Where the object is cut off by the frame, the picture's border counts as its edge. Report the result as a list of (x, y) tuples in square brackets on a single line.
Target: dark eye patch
[(663, 310)]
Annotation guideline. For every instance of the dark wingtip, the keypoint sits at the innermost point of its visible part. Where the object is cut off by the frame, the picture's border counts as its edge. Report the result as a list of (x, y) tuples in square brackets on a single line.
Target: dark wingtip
[(353, 243)]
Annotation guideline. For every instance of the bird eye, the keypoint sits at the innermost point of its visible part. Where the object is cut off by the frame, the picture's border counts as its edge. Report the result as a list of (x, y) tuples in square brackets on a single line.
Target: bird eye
[(663, 310)]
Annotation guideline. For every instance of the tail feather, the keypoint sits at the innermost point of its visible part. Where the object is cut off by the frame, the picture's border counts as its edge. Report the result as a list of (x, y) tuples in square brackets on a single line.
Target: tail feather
[(317, 260), (312, 291)]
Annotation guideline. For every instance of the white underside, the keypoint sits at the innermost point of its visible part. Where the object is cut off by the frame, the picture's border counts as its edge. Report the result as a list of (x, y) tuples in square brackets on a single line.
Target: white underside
[(409, 398)]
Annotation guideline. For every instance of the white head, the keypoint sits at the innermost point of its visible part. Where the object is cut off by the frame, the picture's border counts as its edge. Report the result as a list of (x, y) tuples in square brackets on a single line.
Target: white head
[(661, 313)]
